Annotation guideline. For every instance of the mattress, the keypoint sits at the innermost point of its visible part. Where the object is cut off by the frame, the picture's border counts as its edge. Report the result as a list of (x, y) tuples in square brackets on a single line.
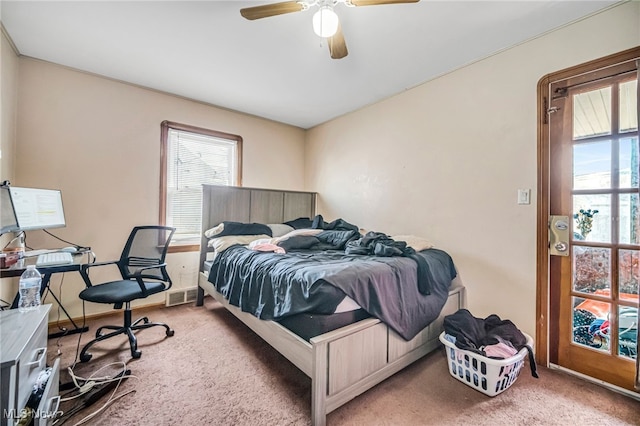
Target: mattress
[(308, 325)]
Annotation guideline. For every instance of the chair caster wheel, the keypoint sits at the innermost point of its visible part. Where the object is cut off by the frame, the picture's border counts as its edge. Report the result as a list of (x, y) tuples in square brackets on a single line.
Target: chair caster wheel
[(170, 333), (85, 357), (136, 354)]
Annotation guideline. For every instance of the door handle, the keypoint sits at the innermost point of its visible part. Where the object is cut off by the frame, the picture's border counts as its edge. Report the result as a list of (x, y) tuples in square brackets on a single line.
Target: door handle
[(559, 231)]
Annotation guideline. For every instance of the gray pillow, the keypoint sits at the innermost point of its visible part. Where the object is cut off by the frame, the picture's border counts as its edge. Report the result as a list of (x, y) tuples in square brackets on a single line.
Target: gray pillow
[(279, 229)]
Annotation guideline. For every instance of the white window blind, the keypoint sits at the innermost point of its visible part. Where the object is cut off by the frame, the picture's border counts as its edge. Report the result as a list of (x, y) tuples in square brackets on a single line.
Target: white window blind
[(195, 159)]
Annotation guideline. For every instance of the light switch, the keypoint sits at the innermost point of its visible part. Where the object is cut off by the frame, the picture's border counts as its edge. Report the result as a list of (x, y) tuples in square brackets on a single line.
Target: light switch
[(524, 196)]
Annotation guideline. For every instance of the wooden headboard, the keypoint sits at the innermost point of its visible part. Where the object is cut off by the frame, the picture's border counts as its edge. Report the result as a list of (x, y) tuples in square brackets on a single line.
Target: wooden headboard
[(251, 205)]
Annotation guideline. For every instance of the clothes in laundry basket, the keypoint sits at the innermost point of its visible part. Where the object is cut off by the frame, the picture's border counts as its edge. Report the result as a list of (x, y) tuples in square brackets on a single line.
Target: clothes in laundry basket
[(474, 334)]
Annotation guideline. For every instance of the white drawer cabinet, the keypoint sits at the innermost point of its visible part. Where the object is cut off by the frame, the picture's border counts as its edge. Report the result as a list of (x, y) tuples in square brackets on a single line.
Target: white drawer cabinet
[(23, 353)]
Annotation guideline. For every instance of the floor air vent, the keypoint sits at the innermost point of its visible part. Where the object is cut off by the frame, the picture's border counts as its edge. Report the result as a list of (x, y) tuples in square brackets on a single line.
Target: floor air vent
[(183, 295)]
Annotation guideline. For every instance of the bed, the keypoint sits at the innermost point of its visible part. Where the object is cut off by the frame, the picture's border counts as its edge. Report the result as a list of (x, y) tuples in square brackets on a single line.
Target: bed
[(351, 351)]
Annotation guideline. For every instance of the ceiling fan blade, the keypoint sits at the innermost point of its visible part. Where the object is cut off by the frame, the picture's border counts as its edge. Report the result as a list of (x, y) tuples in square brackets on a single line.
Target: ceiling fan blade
[(273, 9), (337, 45), (377, 2)]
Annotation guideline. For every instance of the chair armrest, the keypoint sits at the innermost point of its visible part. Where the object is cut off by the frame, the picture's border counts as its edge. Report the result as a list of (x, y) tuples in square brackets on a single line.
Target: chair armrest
[(144, 268), (139, 275), (85, 267)]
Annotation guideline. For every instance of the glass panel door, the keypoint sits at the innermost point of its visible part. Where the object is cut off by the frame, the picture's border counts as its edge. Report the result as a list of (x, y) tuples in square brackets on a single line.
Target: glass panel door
[(599, 283)]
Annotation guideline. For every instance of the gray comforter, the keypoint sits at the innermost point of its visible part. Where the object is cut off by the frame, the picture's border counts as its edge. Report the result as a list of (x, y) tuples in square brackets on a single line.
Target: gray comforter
[(272, 286)]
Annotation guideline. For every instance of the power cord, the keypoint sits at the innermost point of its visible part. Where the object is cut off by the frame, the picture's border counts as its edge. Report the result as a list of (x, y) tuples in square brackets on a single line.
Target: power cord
[(67, 242), (75, 360), (63, 329), (90, 382), (85, 386), (113, 398), (84, 324), (86, 390)]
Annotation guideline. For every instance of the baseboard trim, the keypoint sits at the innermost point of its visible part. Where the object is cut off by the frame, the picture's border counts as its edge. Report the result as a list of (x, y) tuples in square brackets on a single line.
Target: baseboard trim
[(64, 324), (614, 388)]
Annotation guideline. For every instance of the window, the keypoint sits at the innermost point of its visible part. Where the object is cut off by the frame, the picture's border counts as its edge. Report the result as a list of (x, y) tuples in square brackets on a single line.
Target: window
[(191, 157)]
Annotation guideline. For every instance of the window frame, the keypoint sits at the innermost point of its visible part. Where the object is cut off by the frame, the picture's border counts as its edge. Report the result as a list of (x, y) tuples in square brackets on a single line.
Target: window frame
[(165, 127)]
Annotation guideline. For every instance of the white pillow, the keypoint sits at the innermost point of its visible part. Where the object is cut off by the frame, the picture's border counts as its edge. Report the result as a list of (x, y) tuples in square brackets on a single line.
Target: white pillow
[(416, 243), (220, 244), (255, 242), (210, 233)]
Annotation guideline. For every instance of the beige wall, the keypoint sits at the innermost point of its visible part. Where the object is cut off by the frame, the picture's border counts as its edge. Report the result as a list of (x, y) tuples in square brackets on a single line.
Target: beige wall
[(8, 106), (8, 111), (445, 160), (98, 141)]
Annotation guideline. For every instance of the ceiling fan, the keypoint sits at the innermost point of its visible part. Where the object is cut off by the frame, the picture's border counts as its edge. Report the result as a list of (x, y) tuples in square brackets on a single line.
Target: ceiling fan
[(325, 20)]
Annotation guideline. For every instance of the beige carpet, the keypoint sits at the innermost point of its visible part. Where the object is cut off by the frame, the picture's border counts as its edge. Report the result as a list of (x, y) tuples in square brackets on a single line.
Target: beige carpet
[(215, 371)]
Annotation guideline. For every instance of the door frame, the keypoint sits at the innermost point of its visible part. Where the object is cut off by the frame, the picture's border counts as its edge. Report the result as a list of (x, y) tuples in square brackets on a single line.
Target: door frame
[(543, 299)]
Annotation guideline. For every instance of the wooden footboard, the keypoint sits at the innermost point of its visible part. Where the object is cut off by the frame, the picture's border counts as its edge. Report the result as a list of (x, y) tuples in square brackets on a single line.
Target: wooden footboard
[(345, 362)]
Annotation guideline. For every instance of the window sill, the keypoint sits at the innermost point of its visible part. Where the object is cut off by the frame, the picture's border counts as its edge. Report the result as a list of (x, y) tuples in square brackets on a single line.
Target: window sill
[(183, 248)]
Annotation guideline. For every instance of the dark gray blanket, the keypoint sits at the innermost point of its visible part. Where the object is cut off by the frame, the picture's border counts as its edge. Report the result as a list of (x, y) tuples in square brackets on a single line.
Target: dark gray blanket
[(272, 286)]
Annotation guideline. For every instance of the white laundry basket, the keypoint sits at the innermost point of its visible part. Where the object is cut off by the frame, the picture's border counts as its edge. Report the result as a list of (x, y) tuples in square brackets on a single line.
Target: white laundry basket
[(487, 375)]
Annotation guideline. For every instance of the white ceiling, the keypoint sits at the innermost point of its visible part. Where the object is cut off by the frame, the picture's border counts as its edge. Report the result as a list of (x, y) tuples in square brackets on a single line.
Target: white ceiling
[(276, 67)]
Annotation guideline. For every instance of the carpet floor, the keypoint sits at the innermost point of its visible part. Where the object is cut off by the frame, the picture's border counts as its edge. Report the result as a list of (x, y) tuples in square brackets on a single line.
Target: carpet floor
[(215, 371)]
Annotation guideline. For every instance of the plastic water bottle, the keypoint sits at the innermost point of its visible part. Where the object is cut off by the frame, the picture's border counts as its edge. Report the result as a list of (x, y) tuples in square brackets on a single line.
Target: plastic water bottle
[(29, 289)]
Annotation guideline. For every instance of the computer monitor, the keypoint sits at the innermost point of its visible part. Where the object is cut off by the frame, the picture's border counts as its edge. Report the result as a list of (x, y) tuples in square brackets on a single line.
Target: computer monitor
[(36, 208), (8, 222)]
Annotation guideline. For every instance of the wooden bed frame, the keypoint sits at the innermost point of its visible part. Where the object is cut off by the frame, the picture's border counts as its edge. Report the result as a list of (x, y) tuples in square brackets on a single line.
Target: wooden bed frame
[(342, 363)]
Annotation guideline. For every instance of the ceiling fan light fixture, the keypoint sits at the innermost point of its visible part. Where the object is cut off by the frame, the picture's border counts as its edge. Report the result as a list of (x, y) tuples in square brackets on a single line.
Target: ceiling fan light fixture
[(325, 22)]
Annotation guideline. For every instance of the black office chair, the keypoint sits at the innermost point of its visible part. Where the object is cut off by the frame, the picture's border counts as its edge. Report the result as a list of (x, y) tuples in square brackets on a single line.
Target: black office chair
[(143, 273)]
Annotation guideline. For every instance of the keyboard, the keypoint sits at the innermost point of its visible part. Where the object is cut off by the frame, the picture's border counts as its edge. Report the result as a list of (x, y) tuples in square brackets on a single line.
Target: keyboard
[(54, 258)]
